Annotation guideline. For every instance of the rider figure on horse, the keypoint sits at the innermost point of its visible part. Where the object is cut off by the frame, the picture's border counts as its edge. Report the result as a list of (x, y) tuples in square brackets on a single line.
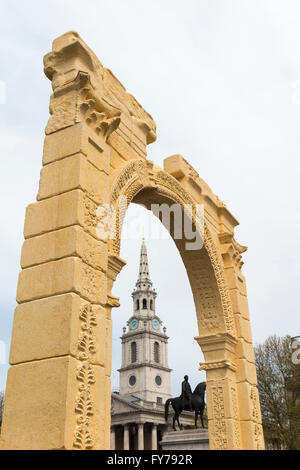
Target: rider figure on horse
[(186, 393)]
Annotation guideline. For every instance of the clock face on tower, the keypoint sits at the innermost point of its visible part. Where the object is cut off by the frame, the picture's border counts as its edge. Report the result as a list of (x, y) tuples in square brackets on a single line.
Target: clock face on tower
[(155, 324), (134, 324)]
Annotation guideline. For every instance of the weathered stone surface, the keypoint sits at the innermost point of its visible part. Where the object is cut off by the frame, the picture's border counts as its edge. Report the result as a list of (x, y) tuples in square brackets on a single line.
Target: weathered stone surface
[(59, 277), (191, 439), (252, 435), (249, 402), (53, 327), (70, 241), (73, 172), (46, 397), (244, 350), (243, 328), (77, 139), (246, 371), (71, 208)]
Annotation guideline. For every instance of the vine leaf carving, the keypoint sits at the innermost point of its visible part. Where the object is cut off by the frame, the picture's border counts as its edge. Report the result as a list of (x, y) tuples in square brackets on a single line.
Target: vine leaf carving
[(84, 407)]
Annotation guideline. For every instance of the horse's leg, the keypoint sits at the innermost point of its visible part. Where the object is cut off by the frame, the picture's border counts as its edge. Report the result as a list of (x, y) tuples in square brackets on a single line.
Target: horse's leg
[(196, 419), (180, 425), (174, 421), (201, 417)]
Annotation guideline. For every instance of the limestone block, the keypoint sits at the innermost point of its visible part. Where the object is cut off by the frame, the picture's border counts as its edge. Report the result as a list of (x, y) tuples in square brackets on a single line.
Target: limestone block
[(246, 371), (59, 277), (63, 143), (217, 348), (222, 395), (123, 148), (244, 350), (105, 340), (176, 166), (227, 221), (224, 434), (116, 159), (248, 402), (252, 435), (231, 277), (55, 327), (235, 300), (244, 306), (107, 411), (37, 392), (243, 328), (77, 139), (70, 241), (187, 439), (73, 172), (233, 434), (72, 208), (242, 284), (97, 430), (45, 393), (55, 213), (218, 371)]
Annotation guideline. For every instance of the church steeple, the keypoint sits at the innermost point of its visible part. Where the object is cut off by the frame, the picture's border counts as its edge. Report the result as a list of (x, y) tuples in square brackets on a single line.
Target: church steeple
[(144, 371), (144, 294), (144, 266)]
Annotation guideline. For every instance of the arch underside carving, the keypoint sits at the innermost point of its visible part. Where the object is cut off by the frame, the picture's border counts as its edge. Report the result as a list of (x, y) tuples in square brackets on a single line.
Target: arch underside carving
[(143, 183)]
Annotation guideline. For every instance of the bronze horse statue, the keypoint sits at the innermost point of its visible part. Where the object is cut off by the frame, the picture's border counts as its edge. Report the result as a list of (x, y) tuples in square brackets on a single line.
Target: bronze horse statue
[(178, 404)]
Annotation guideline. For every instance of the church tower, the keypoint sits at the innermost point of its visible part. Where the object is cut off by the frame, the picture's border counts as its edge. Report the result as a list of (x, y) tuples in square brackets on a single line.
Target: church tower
[(144, 371)]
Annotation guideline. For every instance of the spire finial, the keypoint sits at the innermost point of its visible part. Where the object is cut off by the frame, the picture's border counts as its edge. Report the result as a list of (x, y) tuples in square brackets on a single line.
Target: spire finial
[(144, 267)]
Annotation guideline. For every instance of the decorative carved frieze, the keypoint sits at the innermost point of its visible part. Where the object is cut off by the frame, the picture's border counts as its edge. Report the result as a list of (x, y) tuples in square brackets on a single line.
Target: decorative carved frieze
[(84, 407), (230, 247), (83, 90), (218, 365), (219, 433), (236, 424)]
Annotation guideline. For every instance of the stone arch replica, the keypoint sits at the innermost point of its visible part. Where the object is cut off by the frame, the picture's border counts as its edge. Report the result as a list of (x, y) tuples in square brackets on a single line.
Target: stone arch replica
[(58, 387)]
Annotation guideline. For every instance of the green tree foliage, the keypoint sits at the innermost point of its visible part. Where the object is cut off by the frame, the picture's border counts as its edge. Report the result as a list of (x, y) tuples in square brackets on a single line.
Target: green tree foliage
[(278, 377)]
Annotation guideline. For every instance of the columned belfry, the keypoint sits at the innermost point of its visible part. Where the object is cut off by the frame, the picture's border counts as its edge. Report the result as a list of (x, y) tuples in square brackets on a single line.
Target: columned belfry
[(144, 371)]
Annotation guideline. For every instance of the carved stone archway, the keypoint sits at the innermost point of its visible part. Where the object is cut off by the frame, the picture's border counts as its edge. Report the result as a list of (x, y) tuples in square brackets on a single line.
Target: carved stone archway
[(58, 388)]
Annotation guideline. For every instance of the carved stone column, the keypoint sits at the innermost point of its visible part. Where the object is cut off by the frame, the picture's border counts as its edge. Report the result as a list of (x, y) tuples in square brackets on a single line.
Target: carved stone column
[(59, 382), (141, 436), (154, 437), (221, 391), (225, 396), (113, 438), (126, 437)]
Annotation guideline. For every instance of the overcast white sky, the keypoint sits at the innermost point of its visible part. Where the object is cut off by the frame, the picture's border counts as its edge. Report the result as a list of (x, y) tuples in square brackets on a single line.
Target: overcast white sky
[(222, 81)]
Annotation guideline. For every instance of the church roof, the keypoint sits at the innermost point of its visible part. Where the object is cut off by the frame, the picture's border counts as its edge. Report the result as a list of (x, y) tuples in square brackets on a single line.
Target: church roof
[(127, 408), (131, 400)]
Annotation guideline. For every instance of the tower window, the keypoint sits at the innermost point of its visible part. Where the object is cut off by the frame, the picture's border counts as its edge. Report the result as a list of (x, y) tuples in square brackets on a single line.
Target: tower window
[(156, 352), (151, 304), (137, 304), (159, 400), (144, 304), (133, 352)]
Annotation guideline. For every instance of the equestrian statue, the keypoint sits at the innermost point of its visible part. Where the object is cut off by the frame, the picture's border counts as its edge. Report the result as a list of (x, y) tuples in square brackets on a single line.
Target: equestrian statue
[(187, 401)]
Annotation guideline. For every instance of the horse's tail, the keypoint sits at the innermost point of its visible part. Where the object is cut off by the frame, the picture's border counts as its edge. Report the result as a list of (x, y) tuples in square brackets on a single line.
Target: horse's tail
[(167, 404)]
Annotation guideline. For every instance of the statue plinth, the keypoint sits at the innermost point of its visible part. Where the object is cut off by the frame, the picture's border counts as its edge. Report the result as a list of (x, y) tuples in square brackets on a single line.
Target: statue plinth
[(188, 439)]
